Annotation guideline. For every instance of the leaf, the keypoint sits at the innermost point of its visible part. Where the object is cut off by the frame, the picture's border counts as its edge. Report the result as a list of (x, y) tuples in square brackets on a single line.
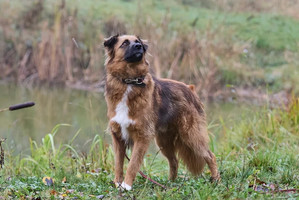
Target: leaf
[(271, 188), (70, 191), (79, 175), (100, 196), (64, 180), (48, 181), (63, 196), (258, 181), (290, 190), (53, 192)]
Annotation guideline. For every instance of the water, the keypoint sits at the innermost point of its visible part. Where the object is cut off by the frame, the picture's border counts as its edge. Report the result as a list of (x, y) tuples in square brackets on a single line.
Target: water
[(82, 110)]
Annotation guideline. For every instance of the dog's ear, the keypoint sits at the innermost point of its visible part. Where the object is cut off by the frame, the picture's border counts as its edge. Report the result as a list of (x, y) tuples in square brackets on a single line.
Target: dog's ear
[(145, 44), (111, 41), (192, 87)]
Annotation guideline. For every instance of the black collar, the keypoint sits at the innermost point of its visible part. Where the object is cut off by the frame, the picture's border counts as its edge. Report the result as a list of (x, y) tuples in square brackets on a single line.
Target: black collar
[(138, 81)]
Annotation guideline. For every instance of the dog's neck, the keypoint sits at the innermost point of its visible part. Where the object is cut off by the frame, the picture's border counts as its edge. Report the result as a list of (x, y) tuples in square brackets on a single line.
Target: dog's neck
[(128, 73), (117, 81)]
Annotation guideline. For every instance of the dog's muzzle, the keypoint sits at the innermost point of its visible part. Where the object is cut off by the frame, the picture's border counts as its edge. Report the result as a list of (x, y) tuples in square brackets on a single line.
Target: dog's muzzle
[(134, 53)]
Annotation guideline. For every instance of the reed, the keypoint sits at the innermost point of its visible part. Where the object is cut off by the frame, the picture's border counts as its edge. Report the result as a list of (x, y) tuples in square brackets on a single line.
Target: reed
[(225, 44)]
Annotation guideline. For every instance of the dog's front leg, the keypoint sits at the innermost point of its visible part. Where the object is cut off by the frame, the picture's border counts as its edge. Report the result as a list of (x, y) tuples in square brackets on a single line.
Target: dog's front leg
[(139, 149), (119, 148)]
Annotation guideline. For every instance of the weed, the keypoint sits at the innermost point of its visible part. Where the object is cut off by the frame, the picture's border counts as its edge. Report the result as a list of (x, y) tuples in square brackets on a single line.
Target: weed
[(259, 150)]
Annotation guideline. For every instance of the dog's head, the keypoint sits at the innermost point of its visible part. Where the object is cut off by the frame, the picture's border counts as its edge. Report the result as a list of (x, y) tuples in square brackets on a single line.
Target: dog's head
[(125, 48), (126, 56)]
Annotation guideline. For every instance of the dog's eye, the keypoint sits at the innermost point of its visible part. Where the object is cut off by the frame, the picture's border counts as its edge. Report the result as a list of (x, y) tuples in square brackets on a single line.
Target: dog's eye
[(125, 43)]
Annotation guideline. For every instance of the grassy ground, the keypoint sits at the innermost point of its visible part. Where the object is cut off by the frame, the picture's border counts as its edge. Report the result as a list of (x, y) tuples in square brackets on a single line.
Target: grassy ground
[(257, 158), (211, 44)]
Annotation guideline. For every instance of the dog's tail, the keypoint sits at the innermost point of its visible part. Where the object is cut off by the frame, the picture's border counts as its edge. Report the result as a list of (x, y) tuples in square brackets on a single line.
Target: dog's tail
[(194, 162), (193, 150)]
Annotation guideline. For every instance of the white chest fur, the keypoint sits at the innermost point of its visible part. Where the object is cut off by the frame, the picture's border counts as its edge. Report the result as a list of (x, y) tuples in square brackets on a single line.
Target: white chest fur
[(122, 115)]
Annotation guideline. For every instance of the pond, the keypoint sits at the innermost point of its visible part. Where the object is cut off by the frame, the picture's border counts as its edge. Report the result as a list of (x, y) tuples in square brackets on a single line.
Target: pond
[(84, 111)]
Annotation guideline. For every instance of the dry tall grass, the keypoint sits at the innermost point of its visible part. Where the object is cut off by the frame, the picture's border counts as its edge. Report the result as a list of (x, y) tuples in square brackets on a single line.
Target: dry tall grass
[(51, 56), (54, 57), (289, 7), (39, 46)]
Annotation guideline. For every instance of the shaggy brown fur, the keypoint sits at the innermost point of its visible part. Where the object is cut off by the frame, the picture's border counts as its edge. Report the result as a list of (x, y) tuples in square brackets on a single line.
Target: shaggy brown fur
[(164, 109)]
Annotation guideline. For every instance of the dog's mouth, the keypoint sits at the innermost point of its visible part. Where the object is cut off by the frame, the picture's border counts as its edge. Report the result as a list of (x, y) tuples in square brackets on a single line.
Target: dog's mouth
[(136, 57)]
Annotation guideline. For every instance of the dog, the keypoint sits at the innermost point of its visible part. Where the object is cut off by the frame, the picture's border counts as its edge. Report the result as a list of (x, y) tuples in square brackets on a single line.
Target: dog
[(142, 107)]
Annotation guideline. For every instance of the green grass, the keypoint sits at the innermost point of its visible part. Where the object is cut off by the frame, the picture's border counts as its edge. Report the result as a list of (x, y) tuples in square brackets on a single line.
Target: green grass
[(263, 148), (269, 32)]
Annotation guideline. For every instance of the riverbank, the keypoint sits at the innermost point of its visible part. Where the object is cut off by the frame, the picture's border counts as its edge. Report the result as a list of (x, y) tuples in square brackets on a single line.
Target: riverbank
[(83, 110)]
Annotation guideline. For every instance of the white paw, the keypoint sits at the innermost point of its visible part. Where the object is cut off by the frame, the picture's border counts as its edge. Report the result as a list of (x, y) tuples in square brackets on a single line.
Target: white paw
[(126, 186)]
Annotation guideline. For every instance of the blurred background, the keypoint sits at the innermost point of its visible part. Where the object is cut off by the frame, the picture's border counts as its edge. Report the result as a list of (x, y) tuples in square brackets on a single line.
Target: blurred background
[(239, 54)]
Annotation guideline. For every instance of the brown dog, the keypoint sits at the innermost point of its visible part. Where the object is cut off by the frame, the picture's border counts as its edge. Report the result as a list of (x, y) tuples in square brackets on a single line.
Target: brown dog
[(142, 107)]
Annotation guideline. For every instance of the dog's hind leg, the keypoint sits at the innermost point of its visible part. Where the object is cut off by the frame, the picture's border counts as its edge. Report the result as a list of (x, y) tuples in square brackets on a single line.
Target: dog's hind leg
[(139, 149), (168, 151), (211, 161), (172, 161)]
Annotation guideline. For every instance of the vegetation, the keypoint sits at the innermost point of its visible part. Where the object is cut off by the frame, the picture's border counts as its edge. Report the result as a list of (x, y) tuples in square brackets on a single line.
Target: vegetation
[(221, 46), (258, 158), (212, 44)]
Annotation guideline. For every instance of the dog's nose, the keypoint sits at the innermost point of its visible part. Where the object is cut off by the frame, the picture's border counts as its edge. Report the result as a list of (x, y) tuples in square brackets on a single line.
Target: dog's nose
[(137, 46)]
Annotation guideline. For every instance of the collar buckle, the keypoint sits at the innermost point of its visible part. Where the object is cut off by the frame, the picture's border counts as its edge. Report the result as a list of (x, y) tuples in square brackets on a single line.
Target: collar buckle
[(128, 80), (135, 81), (139, 80)]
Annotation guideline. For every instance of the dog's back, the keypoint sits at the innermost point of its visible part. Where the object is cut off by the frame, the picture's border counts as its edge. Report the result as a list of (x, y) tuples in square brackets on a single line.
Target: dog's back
[(176, 98)]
